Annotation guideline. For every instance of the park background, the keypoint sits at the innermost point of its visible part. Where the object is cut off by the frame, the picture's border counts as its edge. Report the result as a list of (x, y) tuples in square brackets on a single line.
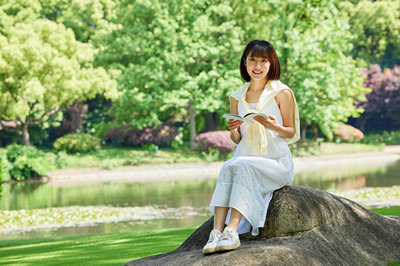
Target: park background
[(113, 84)]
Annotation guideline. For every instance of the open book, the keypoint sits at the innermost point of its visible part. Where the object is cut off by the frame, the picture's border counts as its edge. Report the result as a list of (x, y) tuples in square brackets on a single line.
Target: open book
[(246, 117)]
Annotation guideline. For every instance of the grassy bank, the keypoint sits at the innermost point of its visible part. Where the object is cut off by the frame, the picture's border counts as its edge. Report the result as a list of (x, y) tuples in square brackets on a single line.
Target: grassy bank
[(111, 157), (106, 249), (391, 211)]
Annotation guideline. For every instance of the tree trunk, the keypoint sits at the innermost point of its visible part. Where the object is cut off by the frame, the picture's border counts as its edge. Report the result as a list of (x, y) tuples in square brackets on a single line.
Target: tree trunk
[(314, 132), (304, 132), (361, 121), (192, 124), (25, 135), (211, 122)]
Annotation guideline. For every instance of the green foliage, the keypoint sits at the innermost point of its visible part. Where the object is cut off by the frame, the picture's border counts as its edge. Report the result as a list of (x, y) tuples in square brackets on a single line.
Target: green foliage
[(214, 155), (386, 137), (43, 68), (177, 143), (211, 155), (376, 27), (77, 143), (313, 43), (27, 162), (87, 18), (5, 166), (187, 56), (3, 159), (178, 55)]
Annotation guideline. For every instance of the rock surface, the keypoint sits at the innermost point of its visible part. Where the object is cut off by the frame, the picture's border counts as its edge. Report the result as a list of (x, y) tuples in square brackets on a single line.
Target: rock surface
[(304, 226)]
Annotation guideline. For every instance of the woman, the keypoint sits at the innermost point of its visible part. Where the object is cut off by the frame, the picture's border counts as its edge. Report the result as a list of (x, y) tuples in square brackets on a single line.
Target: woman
[(262, 161)]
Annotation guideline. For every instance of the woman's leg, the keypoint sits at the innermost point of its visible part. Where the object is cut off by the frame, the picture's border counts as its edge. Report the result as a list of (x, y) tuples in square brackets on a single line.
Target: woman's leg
[(220, 217), (235, 219)]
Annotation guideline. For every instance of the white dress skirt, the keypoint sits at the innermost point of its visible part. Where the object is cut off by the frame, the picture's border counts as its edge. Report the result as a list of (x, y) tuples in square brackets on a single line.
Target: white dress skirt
[(246, 182)]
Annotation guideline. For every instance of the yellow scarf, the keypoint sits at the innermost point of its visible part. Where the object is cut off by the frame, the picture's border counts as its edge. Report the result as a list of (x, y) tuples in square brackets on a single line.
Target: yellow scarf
[(256, 134)]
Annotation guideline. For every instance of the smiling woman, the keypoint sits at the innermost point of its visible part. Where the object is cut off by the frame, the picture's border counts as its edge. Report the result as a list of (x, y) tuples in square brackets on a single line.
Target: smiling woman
[(262, 161), (260, 54)]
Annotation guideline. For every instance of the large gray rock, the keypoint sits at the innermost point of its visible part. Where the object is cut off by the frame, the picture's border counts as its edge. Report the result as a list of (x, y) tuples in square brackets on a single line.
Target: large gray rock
[(304, 226)]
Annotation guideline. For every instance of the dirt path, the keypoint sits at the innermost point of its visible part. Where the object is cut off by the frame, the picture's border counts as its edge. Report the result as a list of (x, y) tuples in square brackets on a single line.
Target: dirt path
[(198, 171)]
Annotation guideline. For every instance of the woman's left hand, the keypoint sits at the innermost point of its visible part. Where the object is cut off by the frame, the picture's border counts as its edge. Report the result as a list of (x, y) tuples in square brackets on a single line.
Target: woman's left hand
[(269, 122)]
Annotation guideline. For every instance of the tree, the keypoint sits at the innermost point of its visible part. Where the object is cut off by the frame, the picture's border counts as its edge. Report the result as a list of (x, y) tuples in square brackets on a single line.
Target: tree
[(376, 27), (42, 69), (313, 44), (88, 19), (382, 107), (178, 58)]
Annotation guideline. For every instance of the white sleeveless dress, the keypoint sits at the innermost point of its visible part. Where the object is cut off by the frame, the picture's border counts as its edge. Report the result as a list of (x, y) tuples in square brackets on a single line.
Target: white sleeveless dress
[(247, 182)]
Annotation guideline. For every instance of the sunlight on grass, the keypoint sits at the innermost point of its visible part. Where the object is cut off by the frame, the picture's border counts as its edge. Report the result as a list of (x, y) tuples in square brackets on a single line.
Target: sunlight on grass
[(319, 148), (105, 249), (392, 211), (111, 157)]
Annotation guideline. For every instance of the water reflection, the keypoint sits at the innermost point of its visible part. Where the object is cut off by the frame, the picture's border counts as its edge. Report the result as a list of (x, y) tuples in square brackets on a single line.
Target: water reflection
[(345, 179), (175, 194), (172, 194)]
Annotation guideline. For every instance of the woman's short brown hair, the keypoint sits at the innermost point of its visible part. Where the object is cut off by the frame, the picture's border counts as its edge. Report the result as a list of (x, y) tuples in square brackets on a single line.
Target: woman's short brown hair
[(260, 48)]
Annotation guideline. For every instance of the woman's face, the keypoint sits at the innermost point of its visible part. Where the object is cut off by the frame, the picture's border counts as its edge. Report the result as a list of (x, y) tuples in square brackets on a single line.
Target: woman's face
[(257, 67)]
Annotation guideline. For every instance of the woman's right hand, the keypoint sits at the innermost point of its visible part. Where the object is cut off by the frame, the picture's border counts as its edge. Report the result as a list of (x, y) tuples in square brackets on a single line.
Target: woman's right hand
[(234, 124)]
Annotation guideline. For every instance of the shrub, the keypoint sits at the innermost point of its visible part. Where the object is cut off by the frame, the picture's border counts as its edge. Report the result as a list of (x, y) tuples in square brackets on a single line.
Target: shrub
[(348, 133), (139, 137), (1, 171), (27, 162), (382, 104), (5, 166), (389, 138), (77, 142), (220, 140)]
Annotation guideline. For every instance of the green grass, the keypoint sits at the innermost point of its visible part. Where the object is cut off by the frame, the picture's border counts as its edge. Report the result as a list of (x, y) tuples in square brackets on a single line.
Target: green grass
[(106, 249), (315, 148), (111, 157), (103, 249), (393, 211)]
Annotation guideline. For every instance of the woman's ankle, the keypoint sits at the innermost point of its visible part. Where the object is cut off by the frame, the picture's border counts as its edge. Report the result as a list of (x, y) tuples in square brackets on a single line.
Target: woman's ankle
[(218, 228), (234, 228)]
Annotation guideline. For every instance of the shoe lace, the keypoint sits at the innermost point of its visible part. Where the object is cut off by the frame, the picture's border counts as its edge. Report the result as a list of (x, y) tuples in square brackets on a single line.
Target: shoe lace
[(228, 234), (214, 235)]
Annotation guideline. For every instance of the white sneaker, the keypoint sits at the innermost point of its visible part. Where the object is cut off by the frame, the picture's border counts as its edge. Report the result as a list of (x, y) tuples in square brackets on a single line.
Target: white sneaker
[(212, 242), (229, 241)]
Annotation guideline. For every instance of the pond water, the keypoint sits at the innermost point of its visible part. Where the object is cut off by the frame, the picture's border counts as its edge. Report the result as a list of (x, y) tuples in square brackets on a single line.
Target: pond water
[(194, 194)]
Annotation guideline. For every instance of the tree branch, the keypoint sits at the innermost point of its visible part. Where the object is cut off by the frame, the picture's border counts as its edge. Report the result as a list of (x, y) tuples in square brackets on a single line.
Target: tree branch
[(10, 128), (38, 120), (9, 89)]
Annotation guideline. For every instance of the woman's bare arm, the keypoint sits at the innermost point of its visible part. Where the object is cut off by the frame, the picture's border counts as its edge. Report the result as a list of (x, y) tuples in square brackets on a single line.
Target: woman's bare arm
[(234, 125), (286, 105)]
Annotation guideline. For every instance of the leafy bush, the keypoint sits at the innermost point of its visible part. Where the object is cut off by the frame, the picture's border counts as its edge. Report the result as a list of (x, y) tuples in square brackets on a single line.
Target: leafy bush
[(139, 137), (382, 105), (389, 138), (177, 142), (77, 142), (220, 140), (2, 156), (212, 155), (5, 166), (27, 162)]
